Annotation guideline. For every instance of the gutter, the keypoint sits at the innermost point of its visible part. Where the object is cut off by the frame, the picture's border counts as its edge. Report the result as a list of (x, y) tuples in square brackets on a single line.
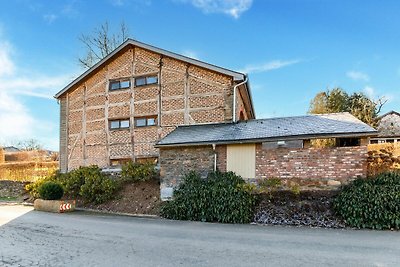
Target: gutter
[(234, 97)]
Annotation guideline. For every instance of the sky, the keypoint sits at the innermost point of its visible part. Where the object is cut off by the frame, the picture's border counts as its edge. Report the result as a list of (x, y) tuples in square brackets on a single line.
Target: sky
[(291, 50)]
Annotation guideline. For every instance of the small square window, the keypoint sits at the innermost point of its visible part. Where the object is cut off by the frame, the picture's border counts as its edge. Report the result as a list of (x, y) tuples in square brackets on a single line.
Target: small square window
[(114, 85), (141, 122), (124, 124), (114, 124), (125, 84), (140, 81), (152, 80), (151, 121)]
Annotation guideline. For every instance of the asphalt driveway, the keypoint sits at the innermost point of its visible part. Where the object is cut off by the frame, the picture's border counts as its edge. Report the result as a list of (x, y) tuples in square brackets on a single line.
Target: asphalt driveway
[(32, 238)]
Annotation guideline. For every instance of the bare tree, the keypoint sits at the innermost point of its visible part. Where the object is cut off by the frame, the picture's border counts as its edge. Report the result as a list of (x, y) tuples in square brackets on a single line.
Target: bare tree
[(100, 43)]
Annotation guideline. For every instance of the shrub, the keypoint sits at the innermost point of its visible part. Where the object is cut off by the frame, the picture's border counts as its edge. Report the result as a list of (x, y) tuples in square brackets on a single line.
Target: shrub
[(135, 172), (33, 188), (371, 203), (97, 188), (75, 179), (221, 197), (51, 190)]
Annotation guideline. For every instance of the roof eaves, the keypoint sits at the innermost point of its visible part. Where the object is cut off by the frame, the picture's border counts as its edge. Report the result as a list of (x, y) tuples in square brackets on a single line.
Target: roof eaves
[(271, 139), (237, 76)]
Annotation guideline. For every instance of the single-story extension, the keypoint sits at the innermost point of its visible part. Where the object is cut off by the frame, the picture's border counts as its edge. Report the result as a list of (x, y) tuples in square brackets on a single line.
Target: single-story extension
[(269, 148)]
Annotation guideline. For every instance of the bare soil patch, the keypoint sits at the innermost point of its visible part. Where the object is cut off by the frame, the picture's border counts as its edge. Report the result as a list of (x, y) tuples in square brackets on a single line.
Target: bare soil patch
[(134, 198)]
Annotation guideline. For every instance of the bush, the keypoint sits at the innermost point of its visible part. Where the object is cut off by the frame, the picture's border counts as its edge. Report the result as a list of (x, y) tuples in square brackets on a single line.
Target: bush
[(33, 188), (97, 188), (50, 190), (221, 197), (371, 203), (135, 172)]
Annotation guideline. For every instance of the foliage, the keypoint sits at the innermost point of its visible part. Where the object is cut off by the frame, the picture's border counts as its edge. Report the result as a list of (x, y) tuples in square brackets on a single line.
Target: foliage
[(88, 182), (372, 202), (269, 185), (27, 171), (337, 100), (220, 197), (101, 43), (75, 179), (98, 188), (51, 190), (33, 188), (135, 172)]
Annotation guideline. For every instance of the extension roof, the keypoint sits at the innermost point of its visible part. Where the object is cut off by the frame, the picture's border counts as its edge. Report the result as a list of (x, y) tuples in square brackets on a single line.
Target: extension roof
[(237, 76), (332, 125)]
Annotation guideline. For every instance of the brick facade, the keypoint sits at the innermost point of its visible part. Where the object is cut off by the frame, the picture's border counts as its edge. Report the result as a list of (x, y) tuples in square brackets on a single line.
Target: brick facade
[(185, 94), (312, 166)]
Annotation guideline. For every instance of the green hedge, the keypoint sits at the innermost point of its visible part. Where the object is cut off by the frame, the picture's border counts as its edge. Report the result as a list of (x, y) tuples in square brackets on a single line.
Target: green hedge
[(372, 202), (221, 197)]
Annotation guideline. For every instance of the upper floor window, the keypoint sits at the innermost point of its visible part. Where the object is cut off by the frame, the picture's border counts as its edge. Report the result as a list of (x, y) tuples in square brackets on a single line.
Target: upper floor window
[(145, 80), (119, 124), (146, 121), (120, 84)]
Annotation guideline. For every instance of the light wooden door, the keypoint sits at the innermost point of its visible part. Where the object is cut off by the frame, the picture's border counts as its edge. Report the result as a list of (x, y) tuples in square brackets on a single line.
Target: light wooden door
[(241, 159)]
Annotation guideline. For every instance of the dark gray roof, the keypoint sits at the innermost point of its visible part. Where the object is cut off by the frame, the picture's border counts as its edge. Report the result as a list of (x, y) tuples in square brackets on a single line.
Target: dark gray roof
[(285, 128)]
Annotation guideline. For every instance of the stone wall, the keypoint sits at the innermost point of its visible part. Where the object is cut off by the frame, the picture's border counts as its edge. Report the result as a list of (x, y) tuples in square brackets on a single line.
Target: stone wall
[(312, 166), (176, 162), (186, 94)]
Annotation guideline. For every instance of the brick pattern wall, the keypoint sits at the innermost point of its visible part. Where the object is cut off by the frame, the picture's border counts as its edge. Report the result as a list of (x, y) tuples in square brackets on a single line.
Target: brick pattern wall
[(313, 166), (186, 94), (176, 162)]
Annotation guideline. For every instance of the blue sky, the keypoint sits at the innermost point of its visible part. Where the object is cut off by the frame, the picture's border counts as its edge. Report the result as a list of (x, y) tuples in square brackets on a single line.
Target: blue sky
[(291, 49)]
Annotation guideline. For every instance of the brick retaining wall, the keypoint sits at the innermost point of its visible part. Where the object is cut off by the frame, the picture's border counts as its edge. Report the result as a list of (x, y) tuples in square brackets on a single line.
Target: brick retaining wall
[(313, 166)]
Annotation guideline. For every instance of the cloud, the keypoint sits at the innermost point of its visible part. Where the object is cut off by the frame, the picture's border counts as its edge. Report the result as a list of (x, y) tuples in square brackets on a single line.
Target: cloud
[(50, 18), (268, 66), (16, 119), (190, 53), (369, 91), (233, 8), (6, 65), (358, 76)]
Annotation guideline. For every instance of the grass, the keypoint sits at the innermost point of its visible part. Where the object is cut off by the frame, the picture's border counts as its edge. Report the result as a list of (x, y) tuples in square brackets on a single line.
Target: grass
[(8, 198)]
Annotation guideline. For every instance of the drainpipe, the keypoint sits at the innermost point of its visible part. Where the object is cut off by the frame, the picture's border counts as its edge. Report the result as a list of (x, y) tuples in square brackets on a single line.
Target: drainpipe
[(215, 158), (234, 97)]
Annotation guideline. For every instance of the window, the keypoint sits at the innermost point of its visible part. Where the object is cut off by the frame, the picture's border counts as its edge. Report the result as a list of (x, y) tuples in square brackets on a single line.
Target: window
[(122, 84), (140, 81), (119, 124), (119, 162), (145, 121)]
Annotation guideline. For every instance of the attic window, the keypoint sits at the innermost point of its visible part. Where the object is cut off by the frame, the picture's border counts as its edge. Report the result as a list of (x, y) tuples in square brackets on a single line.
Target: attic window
[(146, 121), (119, 124), (120, 84), (146, 80)]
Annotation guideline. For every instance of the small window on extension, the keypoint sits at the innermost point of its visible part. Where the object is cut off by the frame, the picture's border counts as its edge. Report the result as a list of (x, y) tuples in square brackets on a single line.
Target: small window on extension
[(146, 80), (119, 124), (146, 121), (120, 84)]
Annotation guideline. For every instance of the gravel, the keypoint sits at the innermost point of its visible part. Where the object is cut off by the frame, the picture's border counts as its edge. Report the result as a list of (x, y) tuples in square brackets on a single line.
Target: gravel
[(309, 208)]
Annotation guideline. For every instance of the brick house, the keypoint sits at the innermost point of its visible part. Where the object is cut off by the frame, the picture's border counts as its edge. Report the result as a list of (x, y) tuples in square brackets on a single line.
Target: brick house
[(388, 128), (118, 109), (269, 148)]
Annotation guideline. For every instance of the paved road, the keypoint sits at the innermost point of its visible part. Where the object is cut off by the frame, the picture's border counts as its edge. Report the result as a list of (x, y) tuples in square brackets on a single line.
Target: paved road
[(86, 239)]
